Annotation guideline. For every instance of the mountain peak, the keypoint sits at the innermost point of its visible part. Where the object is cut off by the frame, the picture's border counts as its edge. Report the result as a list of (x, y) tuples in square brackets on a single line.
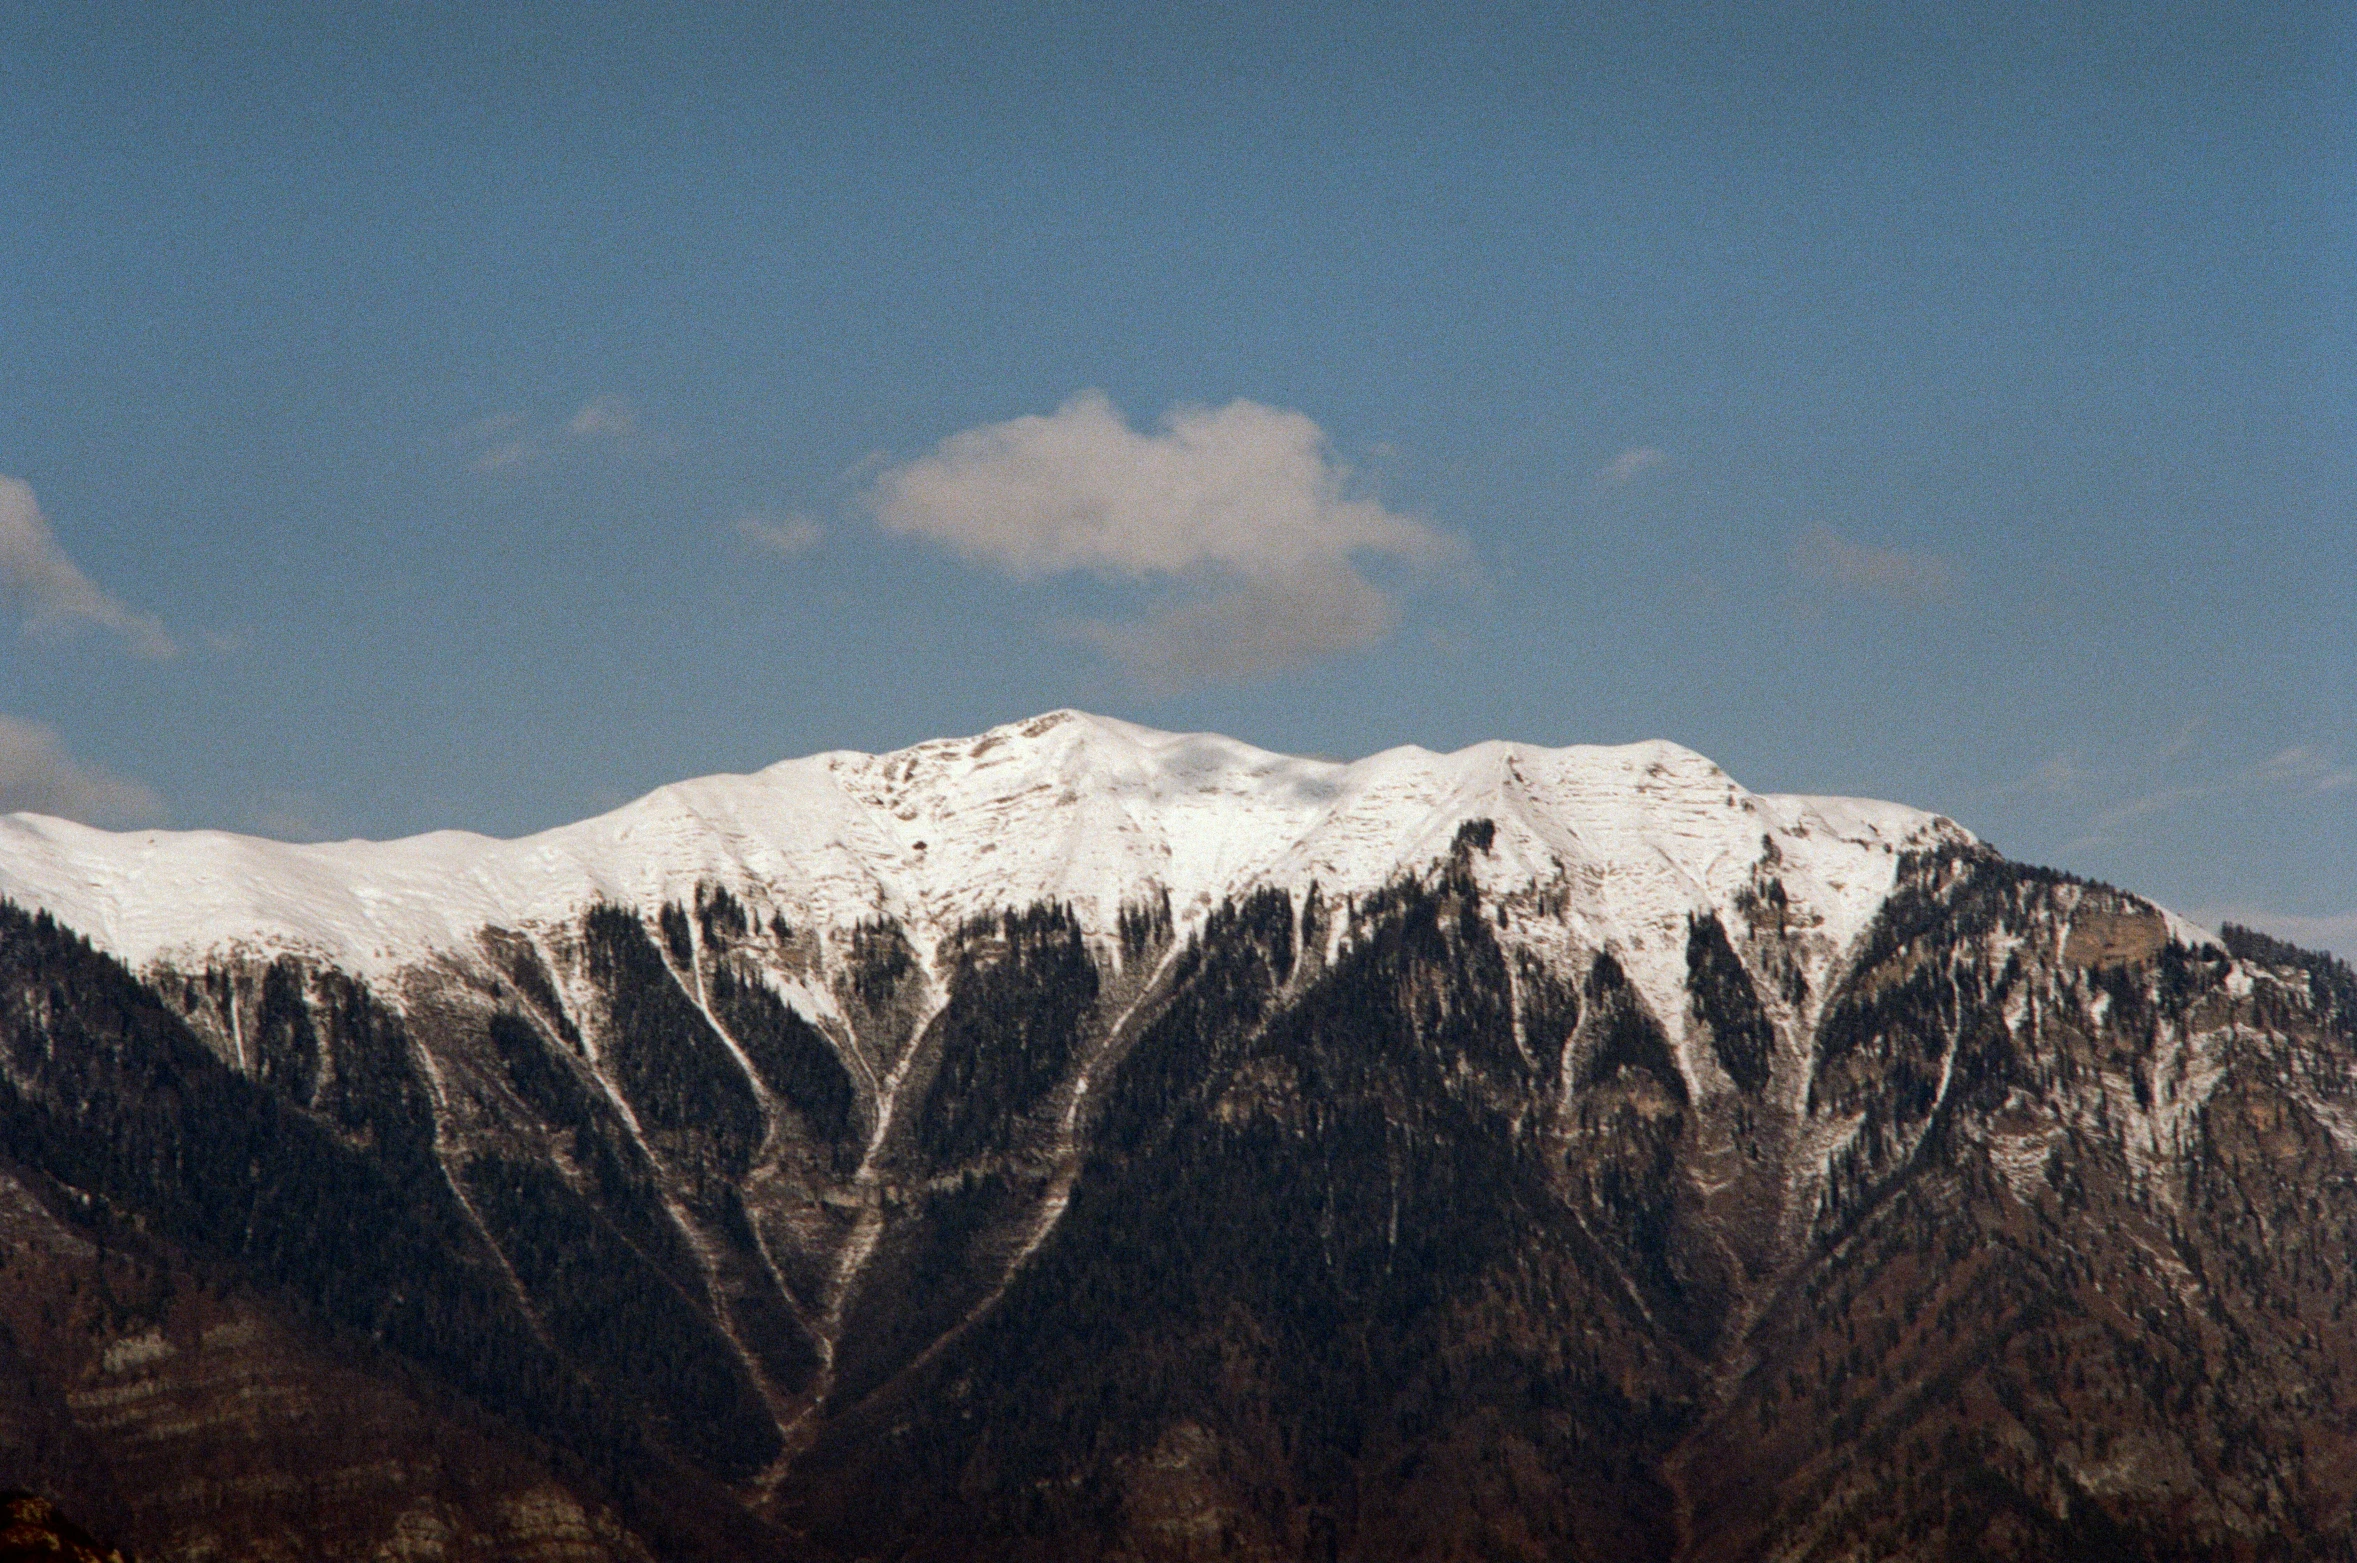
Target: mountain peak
[(1089, 811)]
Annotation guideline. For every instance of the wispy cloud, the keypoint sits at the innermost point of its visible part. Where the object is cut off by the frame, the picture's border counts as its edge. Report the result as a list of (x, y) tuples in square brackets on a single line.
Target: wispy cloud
[(1240, 515), (2056, 776), (50, 590), (2304, 771), (2124, 791), (1829, 559), (785, 532), (1630, 465), (39, 776), (2179, 785), (508, 456), (2334, 932), (2297, 772), (607, 418), (509, 445)]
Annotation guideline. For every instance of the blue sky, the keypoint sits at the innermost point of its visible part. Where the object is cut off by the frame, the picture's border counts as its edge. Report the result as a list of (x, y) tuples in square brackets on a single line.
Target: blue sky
[(421, 415)]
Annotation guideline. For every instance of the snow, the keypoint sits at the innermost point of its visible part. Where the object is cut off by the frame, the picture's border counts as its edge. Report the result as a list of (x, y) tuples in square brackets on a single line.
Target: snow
[(1083, 809), (2185, 931)]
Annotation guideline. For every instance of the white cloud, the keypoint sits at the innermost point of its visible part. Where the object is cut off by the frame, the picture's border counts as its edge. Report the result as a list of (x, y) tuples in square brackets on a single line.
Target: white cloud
[(1630, 465), (1823, 555), (510, 445), (507, 456), (1240, 513), (779, 532), (607, 418), (51, 589), (38, 776)]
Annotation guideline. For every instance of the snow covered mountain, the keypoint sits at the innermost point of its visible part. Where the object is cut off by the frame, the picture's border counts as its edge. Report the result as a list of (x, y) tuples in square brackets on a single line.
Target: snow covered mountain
[(1083, 1140), (1067, 808)]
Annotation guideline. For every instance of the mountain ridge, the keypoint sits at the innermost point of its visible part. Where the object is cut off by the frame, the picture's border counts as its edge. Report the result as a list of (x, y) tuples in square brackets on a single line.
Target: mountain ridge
[(1085, 810)]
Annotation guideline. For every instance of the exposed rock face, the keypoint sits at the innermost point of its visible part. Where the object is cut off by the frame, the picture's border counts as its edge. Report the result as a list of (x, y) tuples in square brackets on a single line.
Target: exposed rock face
[(32, 1531), (1527, 1156)]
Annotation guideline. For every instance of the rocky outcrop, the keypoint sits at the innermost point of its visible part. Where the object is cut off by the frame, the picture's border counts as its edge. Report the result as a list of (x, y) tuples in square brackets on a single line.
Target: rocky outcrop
[(32, 1531)]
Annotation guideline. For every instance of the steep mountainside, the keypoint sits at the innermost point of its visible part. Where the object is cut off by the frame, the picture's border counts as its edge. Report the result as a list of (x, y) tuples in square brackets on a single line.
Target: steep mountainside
[(32, 1531), (1084, 1141)]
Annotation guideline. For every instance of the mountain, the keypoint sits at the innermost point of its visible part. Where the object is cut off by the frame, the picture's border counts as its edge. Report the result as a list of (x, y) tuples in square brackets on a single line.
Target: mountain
[(1083, 1141), (32, 1531)]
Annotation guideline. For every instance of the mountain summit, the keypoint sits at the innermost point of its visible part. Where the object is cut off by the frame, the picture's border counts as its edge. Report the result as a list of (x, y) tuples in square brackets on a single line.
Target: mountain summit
[(1086, 1141), (1081, 811)]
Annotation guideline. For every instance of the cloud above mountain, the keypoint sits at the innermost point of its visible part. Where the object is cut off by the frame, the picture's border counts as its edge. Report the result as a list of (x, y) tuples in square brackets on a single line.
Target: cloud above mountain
[(1254, 535), (606, 418), (49, 590), (39, 776), (1826, 557), (509, 445), (1630, 465), (781, 532)]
